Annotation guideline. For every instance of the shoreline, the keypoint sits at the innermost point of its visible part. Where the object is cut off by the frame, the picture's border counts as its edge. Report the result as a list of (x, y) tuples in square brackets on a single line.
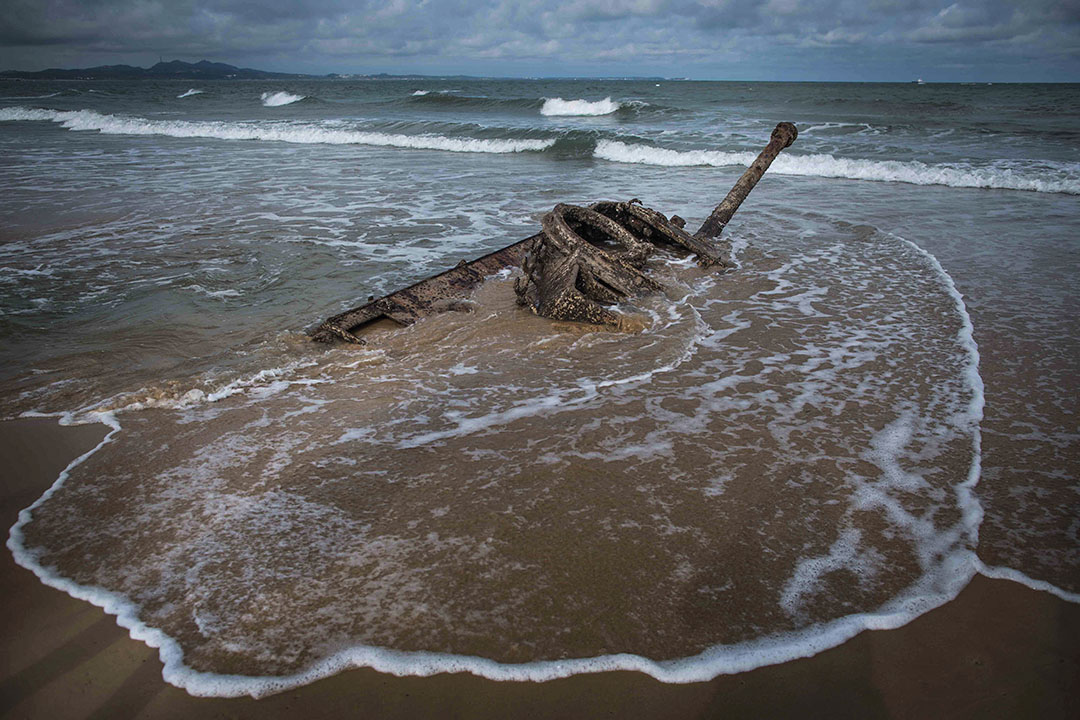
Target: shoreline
[(999, 649)]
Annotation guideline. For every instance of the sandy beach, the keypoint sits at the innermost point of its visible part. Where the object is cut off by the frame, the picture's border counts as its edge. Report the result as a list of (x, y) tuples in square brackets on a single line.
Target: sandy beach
[(998, 650)]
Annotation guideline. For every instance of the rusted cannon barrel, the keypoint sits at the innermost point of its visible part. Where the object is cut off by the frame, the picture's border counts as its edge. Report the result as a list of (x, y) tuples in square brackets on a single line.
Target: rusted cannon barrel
[(783, 135)]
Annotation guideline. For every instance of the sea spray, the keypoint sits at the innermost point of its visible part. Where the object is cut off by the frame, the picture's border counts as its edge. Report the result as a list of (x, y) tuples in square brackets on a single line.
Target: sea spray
[(276, 99), (1059, 177), (557, 107), (276, 132), (1065, 179)]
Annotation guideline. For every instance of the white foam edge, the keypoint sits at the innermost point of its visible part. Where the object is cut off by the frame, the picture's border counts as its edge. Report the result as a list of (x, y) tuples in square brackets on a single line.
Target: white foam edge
[(279, 98), (912, 172), (738, 246), (558, 107), (267, 380), (999, 572), (969, 502), (971, 512), (303, 134), (719, 660), (968, 332), (971, 508)]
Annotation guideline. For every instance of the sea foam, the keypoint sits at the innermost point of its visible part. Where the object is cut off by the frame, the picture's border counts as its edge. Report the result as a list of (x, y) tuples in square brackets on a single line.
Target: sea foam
[(274, 99), (931, 591), (558, 107), (1065, 179), (280, 132)]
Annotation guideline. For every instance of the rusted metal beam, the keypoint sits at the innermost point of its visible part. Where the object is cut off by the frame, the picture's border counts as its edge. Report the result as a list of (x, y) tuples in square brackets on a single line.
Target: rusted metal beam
[(432, 294)]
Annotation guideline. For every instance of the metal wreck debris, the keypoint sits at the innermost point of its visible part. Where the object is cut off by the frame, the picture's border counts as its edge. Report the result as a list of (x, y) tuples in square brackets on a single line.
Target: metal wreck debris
[(583, 261)]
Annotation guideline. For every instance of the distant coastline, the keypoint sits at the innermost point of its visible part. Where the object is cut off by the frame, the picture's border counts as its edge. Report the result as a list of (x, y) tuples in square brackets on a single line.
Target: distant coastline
[(174, 69), (206, 70)]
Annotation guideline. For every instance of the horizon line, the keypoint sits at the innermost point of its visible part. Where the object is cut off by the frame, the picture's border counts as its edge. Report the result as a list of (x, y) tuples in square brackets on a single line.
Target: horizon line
[(420, 75)]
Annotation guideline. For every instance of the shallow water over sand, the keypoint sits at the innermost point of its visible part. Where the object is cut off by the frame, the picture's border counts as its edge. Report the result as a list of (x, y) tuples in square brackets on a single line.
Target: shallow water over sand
[(782, 457), (792, 433)]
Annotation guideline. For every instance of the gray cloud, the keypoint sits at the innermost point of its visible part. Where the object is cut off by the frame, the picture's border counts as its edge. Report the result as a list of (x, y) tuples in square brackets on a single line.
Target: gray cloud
[(774, 39)]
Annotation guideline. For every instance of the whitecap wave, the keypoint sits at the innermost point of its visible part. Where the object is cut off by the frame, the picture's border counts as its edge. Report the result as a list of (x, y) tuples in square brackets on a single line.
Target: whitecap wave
[(1063, 178), (558, 107), (309, 134), (30, 97), (418, 93), (275, 99), (192, 91)]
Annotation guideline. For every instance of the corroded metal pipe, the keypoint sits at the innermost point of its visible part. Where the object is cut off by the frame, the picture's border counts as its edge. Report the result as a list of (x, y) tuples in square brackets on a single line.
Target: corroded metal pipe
[(430, 295), (784, 134)]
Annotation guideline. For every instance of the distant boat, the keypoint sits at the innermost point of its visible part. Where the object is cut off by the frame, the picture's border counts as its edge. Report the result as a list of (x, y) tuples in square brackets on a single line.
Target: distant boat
[(918, 82)]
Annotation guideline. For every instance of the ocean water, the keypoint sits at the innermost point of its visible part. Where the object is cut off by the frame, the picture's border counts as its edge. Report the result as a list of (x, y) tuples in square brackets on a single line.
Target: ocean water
[(877, 403)]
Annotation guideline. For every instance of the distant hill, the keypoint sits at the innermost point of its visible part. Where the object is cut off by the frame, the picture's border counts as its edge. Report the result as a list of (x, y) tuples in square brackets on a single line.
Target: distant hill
[(174, 69), (206, 70)]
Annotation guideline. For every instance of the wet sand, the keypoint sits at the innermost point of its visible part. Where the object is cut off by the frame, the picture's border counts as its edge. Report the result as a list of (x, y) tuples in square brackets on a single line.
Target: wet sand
[(998, 650)]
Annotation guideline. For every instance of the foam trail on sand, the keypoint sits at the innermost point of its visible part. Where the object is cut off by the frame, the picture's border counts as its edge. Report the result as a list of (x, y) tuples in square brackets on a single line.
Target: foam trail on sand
[(279, 132), (262, 383), (1007, 573), (698, 668), (557, 107), (940, 582), (974, 512), (969, 503), (1065, 179)]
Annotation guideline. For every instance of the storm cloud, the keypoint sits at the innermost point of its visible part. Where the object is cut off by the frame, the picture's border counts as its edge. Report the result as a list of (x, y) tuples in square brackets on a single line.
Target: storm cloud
[(736, 39)]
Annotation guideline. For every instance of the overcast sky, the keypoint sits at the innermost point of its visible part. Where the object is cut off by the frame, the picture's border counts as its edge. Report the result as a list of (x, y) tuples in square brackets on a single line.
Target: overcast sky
[(938, 40)]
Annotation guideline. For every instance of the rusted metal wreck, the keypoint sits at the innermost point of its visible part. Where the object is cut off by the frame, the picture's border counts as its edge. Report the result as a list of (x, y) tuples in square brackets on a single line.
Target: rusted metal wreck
[(583, 261)]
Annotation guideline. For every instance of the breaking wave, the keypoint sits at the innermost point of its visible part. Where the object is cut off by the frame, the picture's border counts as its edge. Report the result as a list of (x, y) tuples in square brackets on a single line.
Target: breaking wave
[(31, 97), (452, 100), (1064, 178), (422, 93), (280, 132), (276, 99), (1026, 175), (549, 107), (557, 107)]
